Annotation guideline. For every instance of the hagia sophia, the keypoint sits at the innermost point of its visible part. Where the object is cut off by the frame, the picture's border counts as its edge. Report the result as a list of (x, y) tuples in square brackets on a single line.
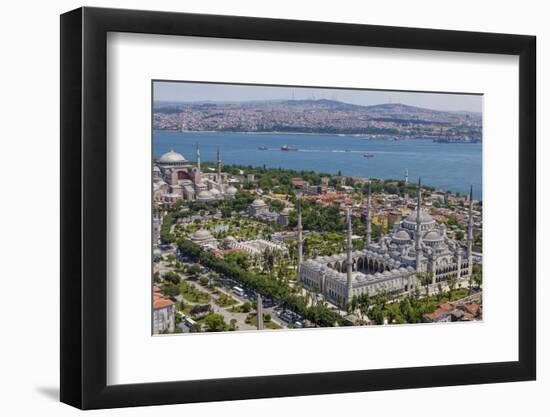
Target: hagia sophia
[(416, 245), (176, 178)]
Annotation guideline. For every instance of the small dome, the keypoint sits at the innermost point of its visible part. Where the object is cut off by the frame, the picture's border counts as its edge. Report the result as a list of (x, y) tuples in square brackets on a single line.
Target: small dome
[(401, 235), (215, 192), (231, 190), (171, 157), (258, 203), (201, 235)]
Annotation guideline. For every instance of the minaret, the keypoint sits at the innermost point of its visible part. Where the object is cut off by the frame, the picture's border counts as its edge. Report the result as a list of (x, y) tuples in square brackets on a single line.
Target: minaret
[(368, 226), (299, 235), (470, 240), (198, 176), (260, 312), (418, 223), (219, 166), (349, 260), (406, 175)]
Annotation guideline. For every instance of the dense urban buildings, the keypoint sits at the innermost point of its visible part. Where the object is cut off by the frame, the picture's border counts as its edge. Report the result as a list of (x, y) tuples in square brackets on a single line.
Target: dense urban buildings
[(319, 116)]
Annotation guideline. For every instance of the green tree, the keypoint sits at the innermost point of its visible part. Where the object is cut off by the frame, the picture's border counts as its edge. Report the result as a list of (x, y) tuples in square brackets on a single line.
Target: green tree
[(239, 258), (452, 282), (425, 279), (215, 323), (195, 328), (171, 277), (246, 307), (194, 270), (477, 274), (169, 290)]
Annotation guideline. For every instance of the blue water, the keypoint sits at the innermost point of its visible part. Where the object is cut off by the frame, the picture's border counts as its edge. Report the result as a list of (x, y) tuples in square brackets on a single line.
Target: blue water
[(446, 166)]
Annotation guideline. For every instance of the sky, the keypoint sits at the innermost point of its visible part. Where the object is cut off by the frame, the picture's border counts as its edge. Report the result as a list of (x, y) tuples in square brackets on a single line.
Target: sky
[(192, 91)]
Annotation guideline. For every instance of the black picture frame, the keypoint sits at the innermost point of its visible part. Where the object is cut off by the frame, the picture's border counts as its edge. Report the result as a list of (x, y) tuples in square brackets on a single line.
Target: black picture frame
[(84, 207)]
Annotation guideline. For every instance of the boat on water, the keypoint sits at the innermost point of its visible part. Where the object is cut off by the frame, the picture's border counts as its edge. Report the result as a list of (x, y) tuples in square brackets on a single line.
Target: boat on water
[(288, 148), (262, 148), (368, 155)]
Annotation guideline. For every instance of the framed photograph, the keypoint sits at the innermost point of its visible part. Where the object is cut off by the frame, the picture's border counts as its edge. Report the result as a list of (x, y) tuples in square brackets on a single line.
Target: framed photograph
[(258, 208)]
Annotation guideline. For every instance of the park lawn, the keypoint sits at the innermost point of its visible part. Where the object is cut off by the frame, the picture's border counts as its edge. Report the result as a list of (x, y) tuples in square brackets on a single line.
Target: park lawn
[(190, 293), (237, 309), (225, 300)]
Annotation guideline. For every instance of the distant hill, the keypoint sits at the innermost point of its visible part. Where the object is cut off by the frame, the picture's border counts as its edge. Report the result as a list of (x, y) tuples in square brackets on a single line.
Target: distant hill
[(317, 116)]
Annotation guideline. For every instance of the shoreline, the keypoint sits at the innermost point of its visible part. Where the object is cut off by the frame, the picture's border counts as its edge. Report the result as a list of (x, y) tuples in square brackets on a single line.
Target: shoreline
[(274, 133), (361, 136)]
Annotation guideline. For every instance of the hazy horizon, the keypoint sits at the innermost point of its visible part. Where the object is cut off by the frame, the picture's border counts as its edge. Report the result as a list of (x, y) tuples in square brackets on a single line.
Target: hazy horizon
[(176, 91)]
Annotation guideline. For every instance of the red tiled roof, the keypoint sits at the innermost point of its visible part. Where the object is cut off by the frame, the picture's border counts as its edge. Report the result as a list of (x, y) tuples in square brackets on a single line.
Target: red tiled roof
[(472, 308), (439, 311), (162, 303), (159, 301)]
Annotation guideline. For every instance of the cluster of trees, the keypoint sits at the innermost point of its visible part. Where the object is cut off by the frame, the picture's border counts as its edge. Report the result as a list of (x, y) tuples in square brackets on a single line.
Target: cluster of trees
[(265, 285), (167, 222), (237, 204), (378, 309), (215, 322), (318, 218), (271, 178)]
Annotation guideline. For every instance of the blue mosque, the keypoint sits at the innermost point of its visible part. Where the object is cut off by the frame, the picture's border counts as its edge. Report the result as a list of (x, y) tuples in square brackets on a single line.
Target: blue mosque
[(416, 245)]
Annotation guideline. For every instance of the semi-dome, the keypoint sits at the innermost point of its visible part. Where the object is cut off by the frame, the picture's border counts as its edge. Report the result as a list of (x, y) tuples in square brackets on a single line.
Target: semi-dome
[(171, 157), (401, 235), (433, 236), (215, 192)]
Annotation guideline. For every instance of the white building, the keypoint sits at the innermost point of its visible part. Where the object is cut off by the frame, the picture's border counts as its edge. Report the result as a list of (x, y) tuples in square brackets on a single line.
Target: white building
[(163, 313)]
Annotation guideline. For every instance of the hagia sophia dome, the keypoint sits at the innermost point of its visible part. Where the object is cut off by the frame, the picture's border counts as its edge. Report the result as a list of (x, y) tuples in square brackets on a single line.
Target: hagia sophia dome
[(171, 157)]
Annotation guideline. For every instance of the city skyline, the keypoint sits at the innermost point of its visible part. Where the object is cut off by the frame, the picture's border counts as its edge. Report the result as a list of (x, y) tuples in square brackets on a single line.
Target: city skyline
[(176, 91)]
